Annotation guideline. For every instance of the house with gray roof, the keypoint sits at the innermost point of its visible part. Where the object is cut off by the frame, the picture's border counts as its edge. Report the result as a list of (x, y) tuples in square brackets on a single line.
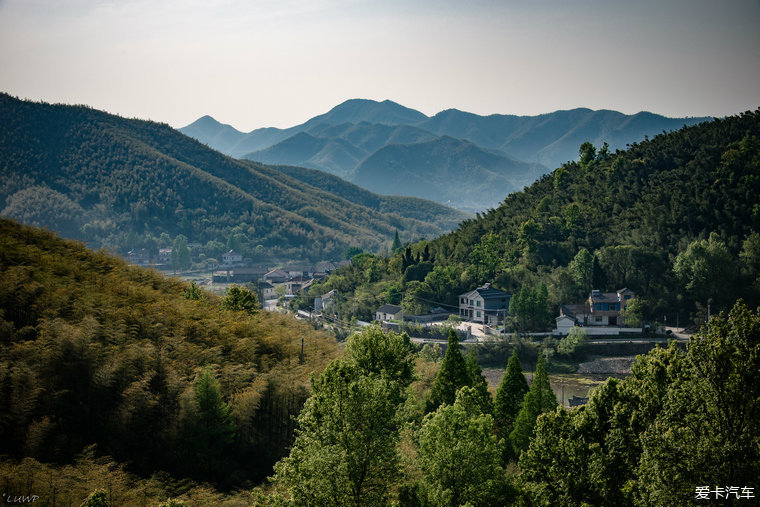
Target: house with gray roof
[(485, 304)]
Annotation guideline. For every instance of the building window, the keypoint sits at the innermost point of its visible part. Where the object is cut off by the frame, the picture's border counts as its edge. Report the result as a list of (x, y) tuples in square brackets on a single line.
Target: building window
[(627, 296), (471, 303), (477, 314), (477, 303), (598, 318)]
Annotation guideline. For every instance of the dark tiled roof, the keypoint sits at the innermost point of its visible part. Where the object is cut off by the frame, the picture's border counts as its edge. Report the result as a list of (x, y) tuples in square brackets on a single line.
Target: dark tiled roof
[(388, 309)]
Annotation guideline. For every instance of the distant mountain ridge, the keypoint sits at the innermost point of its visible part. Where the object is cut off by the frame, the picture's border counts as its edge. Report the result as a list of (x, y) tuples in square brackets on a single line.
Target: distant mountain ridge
[(347, 141), (123, 183)]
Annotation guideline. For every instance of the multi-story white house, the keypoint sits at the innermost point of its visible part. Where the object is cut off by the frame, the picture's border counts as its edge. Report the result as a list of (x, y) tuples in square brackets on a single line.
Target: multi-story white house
[(484, 304), (601, 309)]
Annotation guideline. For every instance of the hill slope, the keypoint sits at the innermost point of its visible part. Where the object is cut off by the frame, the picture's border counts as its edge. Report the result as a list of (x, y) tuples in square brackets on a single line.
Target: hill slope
[(122, 183), (447, 170), (674, 218), (109, 354)]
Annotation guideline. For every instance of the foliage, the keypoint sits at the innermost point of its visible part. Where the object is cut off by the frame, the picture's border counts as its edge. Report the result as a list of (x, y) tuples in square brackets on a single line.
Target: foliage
[(452, 375), (95, 351), (509, 397), (539, 399), (345, 452), (575, 339), (680, 421), (240, 299), (98, 498), (459, 455), (616, 220), (123, 183)]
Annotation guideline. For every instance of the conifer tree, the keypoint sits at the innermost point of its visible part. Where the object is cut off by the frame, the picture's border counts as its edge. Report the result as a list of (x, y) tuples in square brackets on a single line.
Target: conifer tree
[(214, 427), (479, 383), (509, 397), (539, 399), (451, 376), (396, 246)]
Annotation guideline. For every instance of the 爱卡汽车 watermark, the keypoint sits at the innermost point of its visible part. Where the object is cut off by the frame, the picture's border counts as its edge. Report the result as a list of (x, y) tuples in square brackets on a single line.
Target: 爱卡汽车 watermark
[(724, 493)]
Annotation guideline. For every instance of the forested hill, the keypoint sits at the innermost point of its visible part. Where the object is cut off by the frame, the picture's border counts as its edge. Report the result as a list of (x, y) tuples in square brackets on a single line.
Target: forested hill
[(156, 373), (122, 183), (642, 218)]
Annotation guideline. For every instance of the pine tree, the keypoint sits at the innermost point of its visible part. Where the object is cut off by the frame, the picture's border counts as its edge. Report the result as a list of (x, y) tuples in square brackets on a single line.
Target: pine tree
[(479, 383), (509, 397), (539, 399), (451, 376), (214, 427), (396, 246)]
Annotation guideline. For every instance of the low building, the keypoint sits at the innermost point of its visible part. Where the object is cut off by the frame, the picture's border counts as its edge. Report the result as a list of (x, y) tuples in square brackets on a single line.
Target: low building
[(165, 256), (276, 276), (232, 258), (388, 312), (139, 256), (484, 304), (267, 290)]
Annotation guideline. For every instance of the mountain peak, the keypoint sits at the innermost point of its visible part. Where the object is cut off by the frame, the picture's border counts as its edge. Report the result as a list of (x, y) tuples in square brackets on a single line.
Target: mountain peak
[(386, 112)]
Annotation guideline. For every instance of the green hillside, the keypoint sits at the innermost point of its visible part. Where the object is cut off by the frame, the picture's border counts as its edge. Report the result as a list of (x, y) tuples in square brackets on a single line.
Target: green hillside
[(123, 184), (675, 218), (93, 351)]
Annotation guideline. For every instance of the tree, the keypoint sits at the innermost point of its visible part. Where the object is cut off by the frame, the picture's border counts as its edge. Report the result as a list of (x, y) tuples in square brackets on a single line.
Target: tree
[(213, 427), (530, 307), (582, 267), (460, 456), (387, 355), (485, 257), (509, 397), (451, 376), (705, 268), (97, 498), (479, 383), (708, 430), (575, 339), (396, 246), (240, 299), (351, 252), (539, 399), (180, 258), (345, 450)]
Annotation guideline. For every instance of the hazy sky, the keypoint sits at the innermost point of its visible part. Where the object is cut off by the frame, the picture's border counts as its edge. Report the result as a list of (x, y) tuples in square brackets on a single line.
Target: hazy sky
[(255, 63)]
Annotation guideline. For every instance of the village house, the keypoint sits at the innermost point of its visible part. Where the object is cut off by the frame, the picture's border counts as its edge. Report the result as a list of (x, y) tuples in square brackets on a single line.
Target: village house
[(485, 304), (139, 256), (276, 276), (232, 258), (165, 256), (267, 290), (388, 312), (601, 309)]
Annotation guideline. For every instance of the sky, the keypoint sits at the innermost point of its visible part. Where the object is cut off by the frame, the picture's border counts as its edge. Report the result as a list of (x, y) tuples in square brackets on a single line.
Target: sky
[(261, 63)]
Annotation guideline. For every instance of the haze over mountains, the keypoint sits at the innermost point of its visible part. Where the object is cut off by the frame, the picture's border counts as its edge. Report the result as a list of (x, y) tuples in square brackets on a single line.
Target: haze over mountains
[(469, 161)]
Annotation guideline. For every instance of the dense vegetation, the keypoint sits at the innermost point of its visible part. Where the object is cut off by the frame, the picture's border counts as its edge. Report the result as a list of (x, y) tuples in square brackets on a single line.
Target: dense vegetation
[(681, 424), (124, 184), (675, 218), (101, 359), (155, 373)]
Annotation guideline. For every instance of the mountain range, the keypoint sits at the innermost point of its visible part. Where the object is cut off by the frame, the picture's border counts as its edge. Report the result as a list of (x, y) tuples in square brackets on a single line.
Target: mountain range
[(392, 149), (124, 183)]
